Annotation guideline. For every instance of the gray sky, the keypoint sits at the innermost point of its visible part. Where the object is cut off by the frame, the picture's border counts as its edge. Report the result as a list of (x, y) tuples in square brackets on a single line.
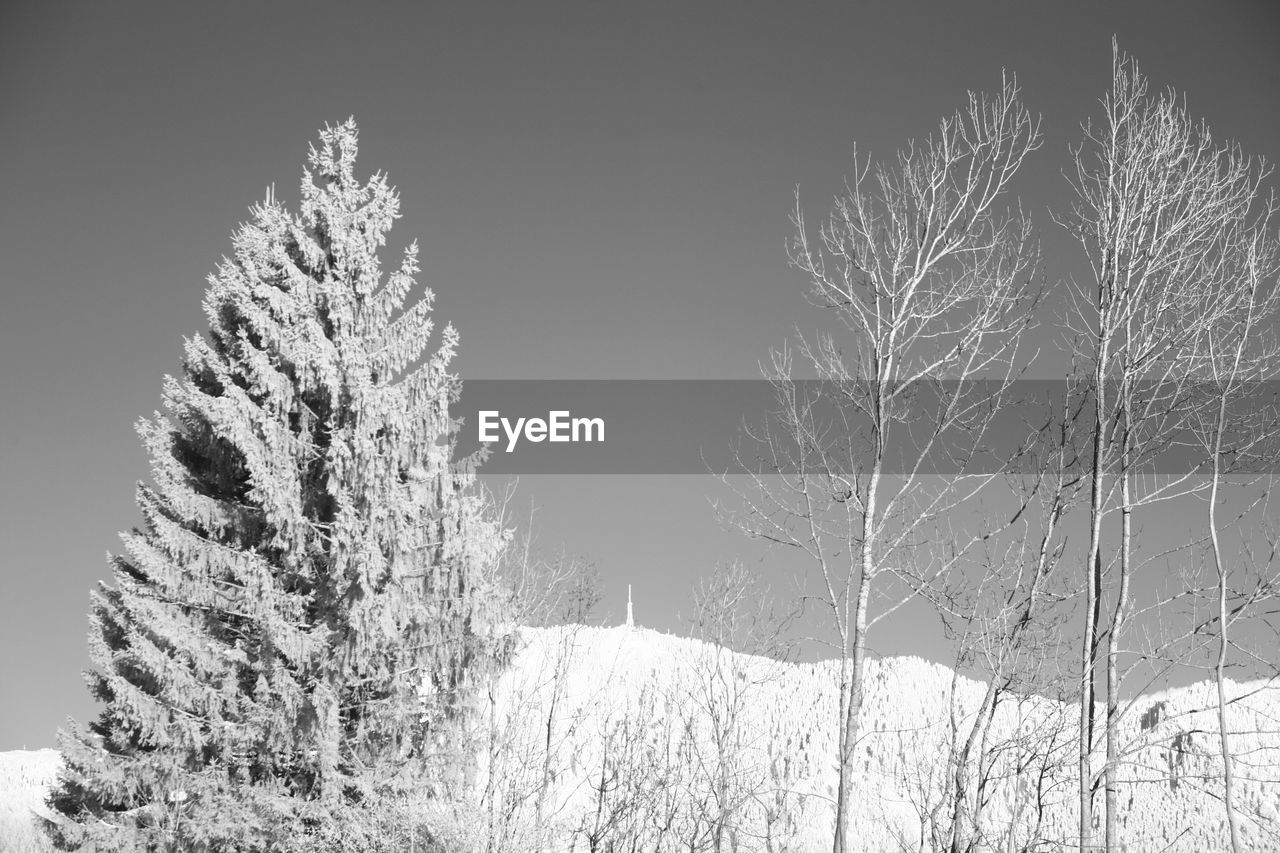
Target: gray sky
[(599, 191)]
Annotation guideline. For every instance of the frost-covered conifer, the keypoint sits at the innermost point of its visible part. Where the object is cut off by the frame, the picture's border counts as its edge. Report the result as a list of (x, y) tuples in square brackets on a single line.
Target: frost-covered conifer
[(293, 629)]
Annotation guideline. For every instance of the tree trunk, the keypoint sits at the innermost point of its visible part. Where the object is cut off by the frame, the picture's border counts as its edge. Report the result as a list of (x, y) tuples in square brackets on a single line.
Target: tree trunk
[(566, 648), (1088, 646), (853, 704), (490, 795), (959, 817), (1111, 770), (1224, 737), (853, 711)]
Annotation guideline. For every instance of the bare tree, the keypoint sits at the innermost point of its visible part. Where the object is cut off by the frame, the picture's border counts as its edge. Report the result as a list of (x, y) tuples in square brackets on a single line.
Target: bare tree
[(552, 594), (1155, 195), (637, 784), (554, 588), (932, 284), (733, 615), (1006, 621), (1236, 359), (1004, 615)]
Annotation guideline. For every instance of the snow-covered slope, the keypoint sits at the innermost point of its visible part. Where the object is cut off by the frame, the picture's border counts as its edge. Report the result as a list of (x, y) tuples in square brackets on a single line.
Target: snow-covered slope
[(624, 684), (598, 734), (24, 777)]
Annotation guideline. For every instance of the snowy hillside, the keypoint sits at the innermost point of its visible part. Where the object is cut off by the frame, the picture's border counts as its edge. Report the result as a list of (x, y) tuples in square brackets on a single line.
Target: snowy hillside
[(24, 776), (622, 685), (600, 734)]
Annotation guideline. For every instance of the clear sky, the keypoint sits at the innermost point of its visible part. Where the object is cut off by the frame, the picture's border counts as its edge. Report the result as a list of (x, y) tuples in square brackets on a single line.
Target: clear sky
[(599, 191)]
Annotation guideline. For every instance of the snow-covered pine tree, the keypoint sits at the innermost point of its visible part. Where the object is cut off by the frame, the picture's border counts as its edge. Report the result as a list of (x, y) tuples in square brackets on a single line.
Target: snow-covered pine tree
[(294, 629)]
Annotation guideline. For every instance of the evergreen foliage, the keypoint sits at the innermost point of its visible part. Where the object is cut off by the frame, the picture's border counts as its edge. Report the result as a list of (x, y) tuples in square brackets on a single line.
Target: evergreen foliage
[(291, 635)]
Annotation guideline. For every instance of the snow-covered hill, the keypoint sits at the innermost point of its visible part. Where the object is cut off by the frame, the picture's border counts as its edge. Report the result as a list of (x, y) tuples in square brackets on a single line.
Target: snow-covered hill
[(24, 777), (599, 734), (623, 684)]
